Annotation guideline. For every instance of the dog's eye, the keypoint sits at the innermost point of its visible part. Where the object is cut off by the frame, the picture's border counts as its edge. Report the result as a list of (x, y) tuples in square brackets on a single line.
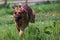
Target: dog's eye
[(15, 12), (19, 12)]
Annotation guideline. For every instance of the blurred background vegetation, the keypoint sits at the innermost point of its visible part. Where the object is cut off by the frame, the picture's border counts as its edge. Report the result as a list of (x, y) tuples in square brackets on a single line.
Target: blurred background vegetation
[(46, 26)]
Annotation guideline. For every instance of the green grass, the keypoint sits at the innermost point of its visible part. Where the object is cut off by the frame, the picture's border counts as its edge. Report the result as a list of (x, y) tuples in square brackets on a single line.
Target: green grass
[(46, 26), (40, 30), (41, 7)]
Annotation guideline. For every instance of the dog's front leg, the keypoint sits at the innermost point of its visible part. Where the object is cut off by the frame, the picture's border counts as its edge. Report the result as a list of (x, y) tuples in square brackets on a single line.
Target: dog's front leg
[(21, 32)]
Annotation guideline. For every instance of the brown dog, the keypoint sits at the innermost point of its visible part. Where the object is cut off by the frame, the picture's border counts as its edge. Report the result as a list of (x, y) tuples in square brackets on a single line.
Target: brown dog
[(23, 14)]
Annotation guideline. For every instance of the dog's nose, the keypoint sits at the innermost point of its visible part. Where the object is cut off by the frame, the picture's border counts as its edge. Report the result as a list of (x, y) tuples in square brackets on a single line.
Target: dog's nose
[(17, 17)]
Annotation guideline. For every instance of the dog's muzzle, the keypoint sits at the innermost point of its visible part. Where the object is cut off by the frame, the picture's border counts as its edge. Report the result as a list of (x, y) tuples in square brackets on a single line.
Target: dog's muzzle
[(17, 18)]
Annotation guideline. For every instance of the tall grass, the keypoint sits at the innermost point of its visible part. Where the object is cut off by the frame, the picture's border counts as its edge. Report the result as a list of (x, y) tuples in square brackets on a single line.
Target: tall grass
[(41, 7), (46, 26)]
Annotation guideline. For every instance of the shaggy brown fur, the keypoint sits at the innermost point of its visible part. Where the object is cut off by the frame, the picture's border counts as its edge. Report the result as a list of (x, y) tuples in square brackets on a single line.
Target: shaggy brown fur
[(23, 14)]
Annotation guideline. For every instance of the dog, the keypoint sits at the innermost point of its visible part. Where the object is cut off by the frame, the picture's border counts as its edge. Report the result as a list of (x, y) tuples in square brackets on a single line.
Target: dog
[(23, 14)]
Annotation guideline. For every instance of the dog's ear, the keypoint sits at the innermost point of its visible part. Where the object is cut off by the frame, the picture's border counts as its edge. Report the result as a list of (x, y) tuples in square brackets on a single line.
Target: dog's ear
[(14, 6)]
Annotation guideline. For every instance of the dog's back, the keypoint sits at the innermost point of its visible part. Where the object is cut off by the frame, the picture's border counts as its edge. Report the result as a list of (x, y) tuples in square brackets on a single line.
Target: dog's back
[(30, 13)]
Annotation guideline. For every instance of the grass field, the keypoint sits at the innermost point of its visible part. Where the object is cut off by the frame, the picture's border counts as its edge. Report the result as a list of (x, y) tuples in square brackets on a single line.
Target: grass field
[(46, 26)]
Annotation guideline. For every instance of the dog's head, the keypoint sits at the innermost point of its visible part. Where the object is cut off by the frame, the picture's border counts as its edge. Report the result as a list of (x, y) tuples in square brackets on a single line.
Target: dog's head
[(17, 12)]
